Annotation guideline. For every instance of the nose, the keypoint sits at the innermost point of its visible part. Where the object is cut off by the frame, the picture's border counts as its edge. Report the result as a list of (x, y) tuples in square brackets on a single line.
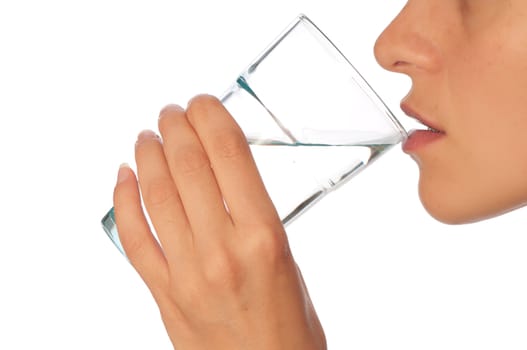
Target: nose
[(408, 45)]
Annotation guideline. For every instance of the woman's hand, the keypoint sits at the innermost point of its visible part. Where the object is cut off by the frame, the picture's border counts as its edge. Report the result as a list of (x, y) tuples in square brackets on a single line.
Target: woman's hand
[(223, 275)]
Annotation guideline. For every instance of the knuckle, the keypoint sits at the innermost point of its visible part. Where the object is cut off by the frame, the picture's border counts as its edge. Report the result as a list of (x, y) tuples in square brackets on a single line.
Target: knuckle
[(190, 160), (222, 271), (134, 245), (183, 294), (230, 144), (269, 246), (159, 192)]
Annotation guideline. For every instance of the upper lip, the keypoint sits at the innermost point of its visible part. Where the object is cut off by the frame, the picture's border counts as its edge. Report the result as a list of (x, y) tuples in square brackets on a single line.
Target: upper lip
[(409, 111)]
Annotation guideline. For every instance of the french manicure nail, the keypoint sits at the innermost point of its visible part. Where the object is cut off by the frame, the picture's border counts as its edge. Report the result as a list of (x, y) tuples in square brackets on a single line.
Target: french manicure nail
[(170, 108), (146, 135), (124, 172)]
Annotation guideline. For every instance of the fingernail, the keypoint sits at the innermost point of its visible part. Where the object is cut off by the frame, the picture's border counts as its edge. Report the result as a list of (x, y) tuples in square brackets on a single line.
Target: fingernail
[(124, 173), (146, 135), (170, 108)]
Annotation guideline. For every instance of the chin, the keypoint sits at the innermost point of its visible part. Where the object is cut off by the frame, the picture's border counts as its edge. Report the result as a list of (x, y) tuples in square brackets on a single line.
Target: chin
[(445, 216), (451, 208), (446, 206)]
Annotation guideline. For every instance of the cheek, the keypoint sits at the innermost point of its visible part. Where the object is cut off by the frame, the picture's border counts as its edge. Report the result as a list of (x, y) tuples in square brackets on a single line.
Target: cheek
[(480, 169)]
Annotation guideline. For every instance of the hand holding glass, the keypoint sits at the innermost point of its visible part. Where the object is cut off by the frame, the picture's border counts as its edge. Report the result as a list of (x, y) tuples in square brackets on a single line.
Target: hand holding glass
[(312, 121)]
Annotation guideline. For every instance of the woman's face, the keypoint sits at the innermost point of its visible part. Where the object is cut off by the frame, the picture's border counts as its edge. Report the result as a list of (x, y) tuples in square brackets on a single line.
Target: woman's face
[(468, 64)]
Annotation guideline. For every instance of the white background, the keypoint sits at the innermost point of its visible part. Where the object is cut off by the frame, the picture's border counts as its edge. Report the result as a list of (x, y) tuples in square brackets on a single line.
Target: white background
[(80, 79)]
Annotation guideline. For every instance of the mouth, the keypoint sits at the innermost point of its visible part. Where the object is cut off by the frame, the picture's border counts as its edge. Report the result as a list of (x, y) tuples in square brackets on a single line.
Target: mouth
[(427, 124), (419, 138)]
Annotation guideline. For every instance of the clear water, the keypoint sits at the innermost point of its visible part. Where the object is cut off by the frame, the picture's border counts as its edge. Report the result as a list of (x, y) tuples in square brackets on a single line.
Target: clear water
[(298, 163), (298, 175), (299, 166)]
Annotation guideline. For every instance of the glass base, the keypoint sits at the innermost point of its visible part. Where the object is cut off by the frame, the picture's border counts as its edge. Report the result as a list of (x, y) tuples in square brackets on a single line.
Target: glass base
[(109, 226)]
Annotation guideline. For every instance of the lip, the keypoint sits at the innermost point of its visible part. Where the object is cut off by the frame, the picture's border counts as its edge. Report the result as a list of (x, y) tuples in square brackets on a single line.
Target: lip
[(409, 111), (418, 139)]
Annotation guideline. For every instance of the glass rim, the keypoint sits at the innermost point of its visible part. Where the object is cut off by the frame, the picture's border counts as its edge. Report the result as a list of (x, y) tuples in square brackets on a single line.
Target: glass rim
[(357, 76)]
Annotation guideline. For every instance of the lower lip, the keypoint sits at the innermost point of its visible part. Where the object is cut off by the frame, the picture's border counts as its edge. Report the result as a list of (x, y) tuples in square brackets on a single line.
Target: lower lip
[(418, 139)]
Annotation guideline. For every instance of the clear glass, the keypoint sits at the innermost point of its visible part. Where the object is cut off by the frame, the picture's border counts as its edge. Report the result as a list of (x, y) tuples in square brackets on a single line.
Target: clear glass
[(311, 119)]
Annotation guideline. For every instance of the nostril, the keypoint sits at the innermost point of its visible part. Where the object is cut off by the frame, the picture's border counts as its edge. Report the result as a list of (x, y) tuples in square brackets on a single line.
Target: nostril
[(399, 65)]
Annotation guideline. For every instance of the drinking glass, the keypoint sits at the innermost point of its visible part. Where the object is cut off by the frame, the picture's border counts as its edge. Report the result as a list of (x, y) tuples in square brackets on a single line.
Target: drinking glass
[(310, 118)]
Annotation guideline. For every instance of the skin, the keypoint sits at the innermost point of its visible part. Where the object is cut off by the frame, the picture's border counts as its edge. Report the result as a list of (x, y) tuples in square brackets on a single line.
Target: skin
[(226, 279), (223, 279), (468, 64)]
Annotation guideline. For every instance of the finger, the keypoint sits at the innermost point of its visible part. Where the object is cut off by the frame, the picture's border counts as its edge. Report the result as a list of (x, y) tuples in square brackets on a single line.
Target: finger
[(232, 161), (161, 197), (195, 180), (140, 245)]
